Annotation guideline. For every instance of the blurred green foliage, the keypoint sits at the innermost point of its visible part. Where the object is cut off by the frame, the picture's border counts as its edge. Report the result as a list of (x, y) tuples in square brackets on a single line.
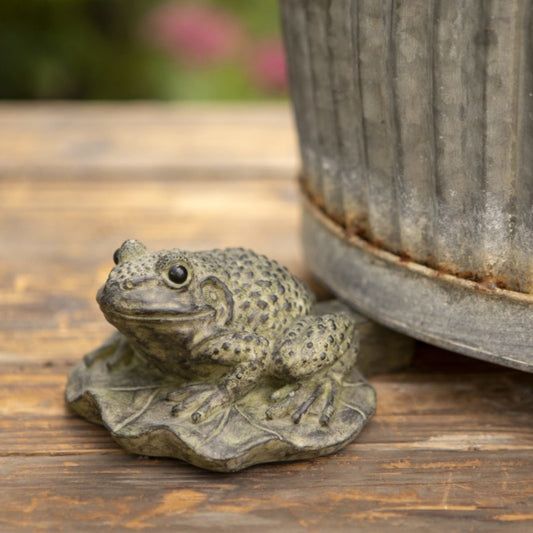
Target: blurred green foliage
[(99, 49)]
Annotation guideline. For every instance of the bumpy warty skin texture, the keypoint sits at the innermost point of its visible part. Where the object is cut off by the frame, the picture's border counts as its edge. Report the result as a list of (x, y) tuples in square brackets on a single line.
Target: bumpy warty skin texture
[(187, 312)]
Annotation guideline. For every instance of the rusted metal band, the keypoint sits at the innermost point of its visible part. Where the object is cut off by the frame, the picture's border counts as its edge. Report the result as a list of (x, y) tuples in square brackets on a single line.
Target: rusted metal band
[(358, 233)]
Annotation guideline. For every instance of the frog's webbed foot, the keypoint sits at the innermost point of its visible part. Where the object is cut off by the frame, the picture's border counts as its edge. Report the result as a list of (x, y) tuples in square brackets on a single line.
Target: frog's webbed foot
[(205, 398), (297, 400), (115, 349), (202, 398)]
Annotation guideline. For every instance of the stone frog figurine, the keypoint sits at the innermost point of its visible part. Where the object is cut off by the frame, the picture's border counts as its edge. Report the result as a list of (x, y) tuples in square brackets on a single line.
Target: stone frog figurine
[(224, 321)]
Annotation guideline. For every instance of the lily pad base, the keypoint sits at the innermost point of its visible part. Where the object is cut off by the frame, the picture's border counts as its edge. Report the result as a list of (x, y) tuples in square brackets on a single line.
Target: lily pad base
[(130, 401)]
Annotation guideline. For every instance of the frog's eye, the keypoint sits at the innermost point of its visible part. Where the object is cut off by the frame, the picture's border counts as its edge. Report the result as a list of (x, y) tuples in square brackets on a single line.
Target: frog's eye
[(116, 256), (178, 274)]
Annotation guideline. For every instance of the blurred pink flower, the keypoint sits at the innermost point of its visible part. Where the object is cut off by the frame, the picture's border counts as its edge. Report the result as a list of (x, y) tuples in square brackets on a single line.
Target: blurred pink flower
[(195, 34), (268, 67)]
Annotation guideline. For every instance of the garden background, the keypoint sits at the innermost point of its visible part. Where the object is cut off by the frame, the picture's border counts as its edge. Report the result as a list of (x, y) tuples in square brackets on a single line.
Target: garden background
[(141, 49)]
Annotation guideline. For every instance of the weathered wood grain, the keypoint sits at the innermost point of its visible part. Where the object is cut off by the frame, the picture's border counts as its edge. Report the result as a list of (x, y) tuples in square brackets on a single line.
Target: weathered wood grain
[(451, 446), (384, 491), (139, 139)]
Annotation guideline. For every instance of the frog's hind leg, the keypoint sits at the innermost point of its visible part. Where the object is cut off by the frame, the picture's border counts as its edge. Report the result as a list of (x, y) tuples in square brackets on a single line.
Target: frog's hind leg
[(315, 357), (297, 399), (326, 389), (332, 389)]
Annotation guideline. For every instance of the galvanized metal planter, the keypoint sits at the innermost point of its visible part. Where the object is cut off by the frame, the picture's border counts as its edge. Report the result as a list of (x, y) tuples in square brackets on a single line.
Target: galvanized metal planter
[(415, 121)]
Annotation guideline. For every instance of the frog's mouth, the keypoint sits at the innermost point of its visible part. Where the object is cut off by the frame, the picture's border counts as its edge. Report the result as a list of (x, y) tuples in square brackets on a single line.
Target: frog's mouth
[(127, 307), (158, 315)]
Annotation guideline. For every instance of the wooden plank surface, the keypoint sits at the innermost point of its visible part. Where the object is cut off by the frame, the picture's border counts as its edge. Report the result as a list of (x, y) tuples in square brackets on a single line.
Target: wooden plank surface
[(451, 445)]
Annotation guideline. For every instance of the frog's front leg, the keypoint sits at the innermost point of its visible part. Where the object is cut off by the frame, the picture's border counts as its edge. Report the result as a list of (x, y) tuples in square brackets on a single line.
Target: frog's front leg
[(314, 358), (246, 353)]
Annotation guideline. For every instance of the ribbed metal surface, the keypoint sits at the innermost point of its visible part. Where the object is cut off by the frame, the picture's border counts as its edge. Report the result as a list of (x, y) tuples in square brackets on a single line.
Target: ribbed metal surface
[(415, 120)]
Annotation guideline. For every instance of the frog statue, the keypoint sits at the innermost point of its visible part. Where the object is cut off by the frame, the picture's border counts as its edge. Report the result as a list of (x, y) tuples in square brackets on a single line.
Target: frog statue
[(214, 332)]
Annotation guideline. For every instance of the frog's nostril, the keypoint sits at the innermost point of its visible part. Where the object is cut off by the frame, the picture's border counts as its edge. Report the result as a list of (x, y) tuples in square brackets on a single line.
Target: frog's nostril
[(110, 286)]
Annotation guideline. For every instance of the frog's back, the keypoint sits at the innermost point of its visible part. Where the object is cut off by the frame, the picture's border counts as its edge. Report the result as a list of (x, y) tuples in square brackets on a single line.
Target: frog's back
[(266, 296)]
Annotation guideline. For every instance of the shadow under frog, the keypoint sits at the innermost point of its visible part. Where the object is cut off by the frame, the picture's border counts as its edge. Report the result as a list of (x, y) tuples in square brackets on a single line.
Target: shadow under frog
[(208, 336)]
